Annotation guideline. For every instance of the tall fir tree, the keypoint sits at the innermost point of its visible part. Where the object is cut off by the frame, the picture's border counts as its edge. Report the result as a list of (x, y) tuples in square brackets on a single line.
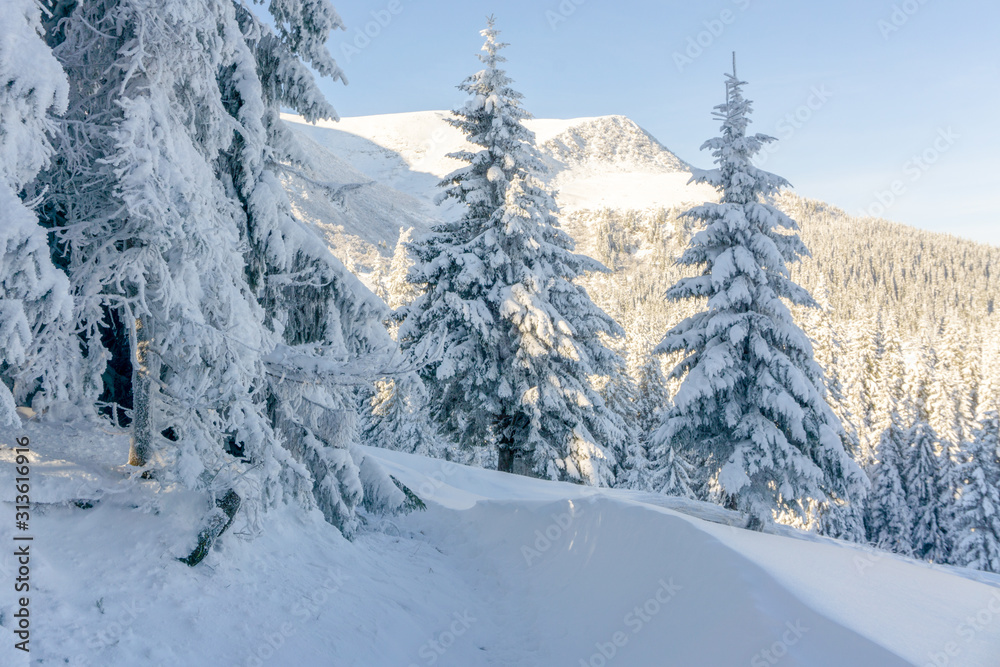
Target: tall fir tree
[(753, 400), (151, 239), (311, 301), (522, 340)]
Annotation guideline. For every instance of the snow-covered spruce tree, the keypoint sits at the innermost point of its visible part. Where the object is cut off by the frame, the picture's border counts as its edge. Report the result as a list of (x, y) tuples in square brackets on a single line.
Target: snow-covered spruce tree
[(868, 388), (312, 302), (397, 289), (925, 480), (977, 525), (396, 415), (959, 373), (621, 395), (888, 517), (673, 475), (942, 391), (752, 402), (37, 351), (521, 340), (842, 519), (651, 392), (648, 395), (150, 234), (989, 385), (828, 354), (173, 227), (889, 382)]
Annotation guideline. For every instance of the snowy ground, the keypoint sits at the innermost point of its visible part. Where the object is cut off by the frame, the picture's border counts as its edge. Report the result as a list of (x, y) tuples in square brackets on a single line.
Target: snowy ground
[(499, 570)]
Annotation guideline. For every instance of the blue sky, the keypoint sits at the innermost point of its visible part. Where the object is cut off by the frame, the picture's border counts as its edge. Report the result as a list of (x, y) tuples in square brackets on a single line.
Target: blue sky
[(882, 106)]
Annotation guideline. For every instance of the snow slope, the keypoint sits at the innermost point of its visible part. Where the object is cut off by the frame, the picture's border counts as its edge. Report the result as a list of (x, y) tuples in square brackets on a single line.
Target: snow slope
[(366, 178), (593, 162), (357, 217), (498, 570)]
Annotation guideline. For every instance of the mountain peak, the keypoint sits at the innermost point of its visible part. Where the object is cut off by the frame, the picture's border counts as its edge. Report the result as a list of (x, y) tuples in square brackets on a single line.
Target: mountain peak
[(615, 142)]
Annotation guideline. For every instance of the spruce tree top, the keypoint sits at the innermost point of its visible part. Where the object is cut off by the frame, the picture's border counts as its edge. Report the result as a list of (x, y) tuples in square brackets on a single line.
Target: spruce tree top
[(492, 118)]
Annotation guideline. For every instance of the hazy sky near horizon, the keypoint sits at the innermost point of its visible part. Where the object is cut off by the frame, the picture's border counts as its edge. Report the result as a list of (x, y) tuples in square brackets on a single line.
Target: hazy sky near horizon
[(886, 107)]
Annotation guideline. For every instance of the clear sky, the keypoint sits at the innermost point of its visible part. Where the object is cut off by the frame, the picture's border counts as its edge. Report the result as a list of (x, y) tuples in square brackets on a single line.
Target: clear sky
[(885, 106)]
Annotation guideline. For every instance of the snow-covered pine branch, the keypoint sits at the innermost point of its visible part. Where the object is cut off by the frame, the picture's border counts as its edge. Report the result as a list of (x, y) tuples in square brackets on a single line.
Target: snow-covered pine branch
[(38, 355), (308, 363)]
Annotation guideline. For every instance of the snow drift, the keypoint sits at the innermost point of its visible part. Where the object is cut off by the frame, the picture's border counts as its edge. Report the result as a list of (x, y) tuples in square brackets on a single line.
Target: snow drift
[(498, 570)]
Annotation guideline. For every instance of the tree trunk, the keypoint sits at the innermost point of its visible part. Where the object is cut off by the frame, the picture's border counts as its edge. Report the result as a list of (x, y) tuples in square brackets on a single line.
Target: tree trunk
[(505, 459), (217, 523), (145, 367), (505, 428)]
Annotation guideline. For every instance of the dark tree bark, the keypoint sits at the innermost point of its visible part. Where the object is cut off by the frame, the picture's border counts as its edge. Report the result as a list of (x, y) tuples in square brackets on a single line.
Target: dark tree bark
[(506, 449), (219, 520), (145, 367), (505, 459)]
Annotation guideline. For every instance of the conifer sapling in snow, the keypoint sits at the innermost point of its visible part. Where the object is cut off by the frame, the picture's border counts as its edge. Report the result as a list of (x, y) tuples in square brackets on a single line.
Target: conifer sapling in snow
[(648, 395), (926, 479), (398, 418), (397, 290), (673, 474), (752, 403)]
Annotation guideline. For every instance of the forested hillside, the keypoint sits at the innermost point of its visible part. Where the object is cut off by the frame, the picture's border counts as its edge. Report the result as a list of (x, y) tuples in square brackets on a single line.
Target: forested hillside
[(903, 308)]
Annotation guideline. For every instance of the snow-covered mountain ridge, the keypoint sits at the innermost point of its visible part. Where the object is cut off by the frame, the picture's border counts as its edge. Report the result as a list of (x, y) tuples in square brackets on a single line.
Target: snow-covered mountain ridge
[(366, 178), (421, 140), (607, 161), (615, 184), (606, 142)]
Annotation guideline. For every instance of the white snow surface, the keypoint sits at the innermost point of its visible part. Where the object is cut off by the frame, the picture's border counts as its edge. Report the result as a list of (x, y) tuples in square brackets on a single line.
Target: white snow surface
[(498, 570)]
